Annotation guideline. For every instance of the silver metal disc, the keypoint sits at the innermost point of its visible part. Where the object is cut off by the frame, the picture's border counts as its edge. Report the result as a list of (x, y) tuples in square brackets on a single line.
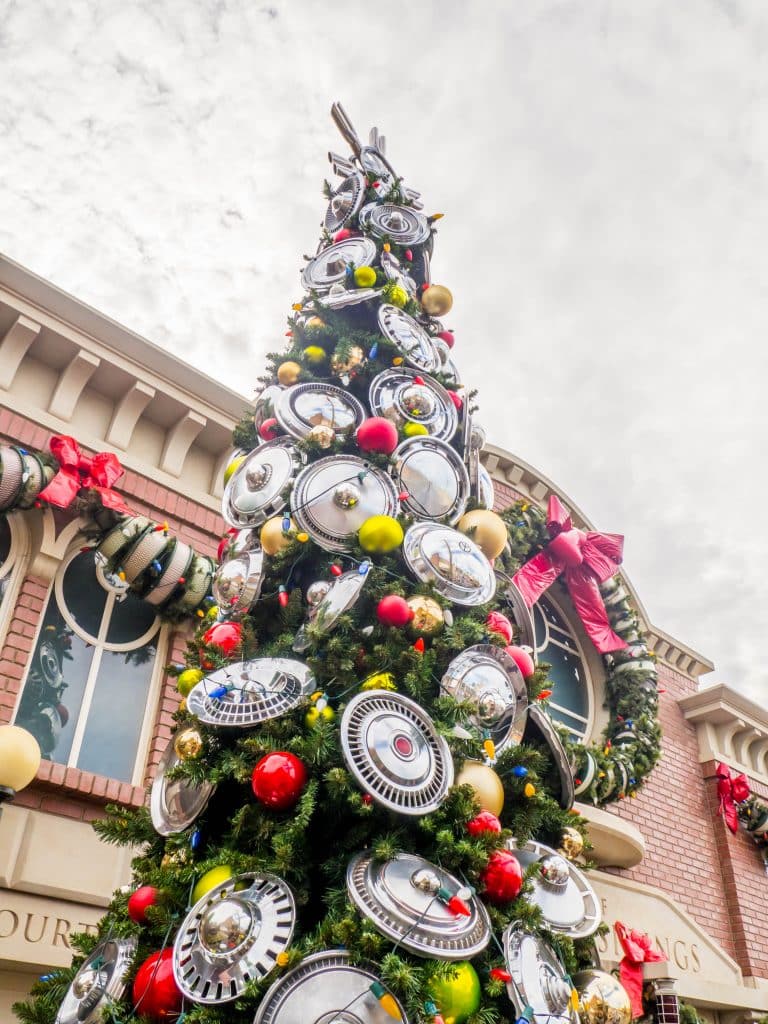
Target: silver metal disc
[(333, 497), (304, 406), (539, 729), (257, 690), (99, 982), (266, 401), (401, 224), (447, 366), (237, 582), (433, 476), (345, 202), (374, 162), (174, 804), (255, 491), (404, 396), (325, 988), (231, 936), (329, 267), (567, 901), (451, 561), (342, 594), (393, 750), (489, 679), (538, 978), (394, 898), (486, 491), (410, 337), (520, 613)]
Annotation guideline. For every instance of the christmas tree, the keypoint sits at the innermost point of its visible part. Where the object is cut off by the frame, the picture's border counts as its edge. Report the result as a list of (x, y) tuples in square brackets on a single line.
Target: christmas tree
[(365, 811)]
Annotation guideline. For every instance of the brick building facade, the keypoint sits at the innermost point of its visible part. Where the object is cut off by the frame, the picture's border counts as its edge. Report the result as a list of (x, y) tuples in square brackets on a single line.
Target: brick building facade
[(666, 863)]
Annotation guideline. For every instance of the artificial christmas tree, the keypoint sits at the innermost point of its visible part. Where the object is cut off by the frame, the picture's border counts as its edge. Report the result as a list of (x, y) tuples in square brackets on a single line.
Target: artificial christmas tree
[(365, 812)]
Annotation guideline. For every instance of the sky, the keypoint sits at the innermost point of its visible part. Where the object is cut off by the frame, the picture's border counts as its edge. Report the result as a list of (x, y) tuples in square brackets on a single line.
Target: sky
[(603, 170)]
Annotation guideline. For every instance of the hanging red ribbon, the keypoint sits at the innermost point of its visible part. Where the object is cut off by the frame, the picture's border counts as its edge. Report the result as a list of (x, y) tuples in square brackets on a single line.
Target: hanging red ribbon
[(731, 790), (637, 951), (78, 472), (586, 559)]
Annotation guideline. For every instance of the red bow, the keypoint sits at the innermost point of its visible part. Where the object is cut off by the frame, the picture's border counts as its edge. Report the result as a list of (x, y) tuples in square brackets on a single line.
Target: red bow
[(732, 791), (78, 471), (637, 951), (587, 559)]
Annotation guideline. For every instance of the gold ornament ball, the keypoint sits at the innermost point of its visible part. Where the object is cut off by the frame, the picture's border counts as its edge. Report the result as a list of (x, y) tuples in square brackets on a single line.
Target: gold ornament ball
[(315, 715), (365, 277), (428, 617), (437, 300), (272, 537), (354, 358), (314, 354), (187, 679), (379, 681), (288, 373), (322, 434), (486, 784), (233, 465), (188, 744), (210, 880), (602, 998), (572, 843), (380, 534), (488, 531), (314, 323), (175, 858)]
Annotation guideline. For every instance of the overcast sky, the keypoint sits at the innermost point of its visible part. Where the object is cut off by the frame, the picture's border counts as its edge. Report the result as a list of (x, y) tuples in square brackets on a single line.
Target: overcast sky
[(603, 167)]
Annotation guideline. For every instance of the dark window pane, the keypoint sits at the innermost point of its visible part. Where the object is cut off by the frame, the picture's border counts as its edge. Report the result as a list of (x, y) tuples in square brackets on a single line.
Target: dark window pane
[(84, 596), (5, 550), (567, 673), (53, 692), (131, 618), (117, 711)]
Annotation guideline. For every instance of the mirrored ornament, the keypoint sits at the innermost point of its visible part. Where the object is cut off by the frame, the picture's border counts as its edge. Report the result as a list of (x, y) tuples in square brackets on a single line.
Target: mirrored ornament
[(453, 563), (188, 744), (256, 489), (326, 611), (316, 592), (344, 365), (399, 224), (539, 980), (237, 583), (404, 396), (571, 844), (231, 936), (447, 366), (427, 616), (100, 980), (487, 678), (313, 404), (327, 988), (518, 611), (175, 804), (432, 476), (346, 200), (394, 752), (333, 497), (409, 336), (540, 730), (247, 693), (602, 998), (323, 435), (329, 267), (396, 898), (562, 892), (486, 495)]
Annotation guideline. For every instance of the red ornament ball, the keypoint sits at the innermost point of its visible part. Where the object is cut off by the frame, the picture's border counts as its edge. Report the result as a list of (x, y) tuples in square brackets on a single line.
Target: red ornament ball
[(155, 992), (522, 659), (377, 434), (278, 780), (485, 821), (456, 399), (227, 636), (341, 234), (269, 429), (394, 610), (448, 338), (499, 623), (502, 877), (140, 901)]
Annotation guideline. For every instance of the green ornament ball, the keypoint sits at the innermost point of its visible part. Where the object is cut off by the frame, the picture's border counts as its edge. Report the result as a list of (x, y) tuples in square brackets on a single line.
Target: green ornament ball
[(210, 880), (458, 995)]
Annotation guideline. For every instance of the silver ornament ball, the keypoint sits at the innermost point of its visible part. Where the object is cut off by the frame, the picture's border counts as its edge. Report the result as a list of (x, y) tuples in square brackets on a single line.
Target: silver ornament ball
[(347, 495), (316, 592), (225, 926)]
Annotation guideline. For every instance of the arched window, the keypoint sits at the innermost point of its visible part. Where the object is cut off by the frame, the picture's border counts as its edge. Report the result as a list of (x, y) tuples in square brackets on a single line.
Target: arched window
[(88, 688), (12, 549), (6, 564), (558, 645)]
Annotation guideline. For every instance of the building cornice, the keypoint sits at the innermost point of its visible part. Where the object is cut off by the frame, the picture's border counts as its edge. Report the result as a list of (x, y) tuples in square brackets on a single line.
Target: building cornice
[(731, 728)]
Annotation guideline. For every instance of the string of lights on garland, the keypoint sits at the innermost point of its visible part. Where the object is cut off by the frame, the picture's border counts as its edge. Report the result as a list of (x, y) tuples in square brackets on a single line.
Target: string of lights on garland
[(365, 808)]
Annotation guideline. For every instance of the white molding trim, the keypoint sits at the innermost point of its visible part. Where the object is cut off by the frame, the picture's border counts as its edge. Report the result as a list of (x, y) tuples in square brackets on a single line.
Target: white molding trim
[(731, 728), (127, 413), (72, 381), (14, 346)]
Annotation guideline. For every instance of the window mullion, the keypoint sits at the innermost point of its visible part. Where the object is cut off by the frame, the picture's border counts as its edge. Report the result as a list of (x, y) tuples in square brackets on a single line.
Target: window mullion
[(90, 684)]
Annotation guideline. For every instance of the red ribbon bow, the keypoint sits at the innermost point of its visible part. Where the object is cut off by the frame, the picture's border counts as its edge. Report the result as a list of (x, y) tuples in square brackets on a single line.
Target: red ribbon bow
[(78, 472), (731, 790), (586, 559), (637, 951)]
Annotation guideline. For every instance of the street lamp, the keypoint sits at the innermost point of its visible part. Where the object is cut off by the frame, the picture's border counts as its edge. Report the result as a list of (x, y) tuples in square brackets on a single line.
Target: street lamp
[(19, 760)]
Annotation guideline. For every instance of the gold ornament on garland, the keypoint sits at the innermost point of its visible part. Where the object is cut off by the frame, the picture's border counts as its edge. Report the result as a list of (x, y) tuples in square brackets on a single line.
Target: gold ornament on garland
[(272, 536), (486, 529), (322, 434), (602, 998), (288, 373), (380, 534), (437, 300), (314, 323), (486, 784), (428, 617), (354, 358), (188, 744), (572, 843), (175, 858)]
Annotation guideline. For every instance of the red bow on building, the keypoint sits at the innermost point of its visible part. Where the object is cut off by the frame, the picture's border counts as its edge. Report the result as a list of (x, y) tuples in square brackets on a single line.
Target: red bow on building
[(586, 559), (78, 472), (637, 951), (731, 790)]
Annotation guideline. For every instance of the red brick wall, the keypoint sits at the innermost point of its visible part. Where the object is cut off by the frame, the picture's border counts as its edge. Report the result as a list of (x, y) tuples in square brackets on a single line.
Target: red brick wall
[(69, 791)]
